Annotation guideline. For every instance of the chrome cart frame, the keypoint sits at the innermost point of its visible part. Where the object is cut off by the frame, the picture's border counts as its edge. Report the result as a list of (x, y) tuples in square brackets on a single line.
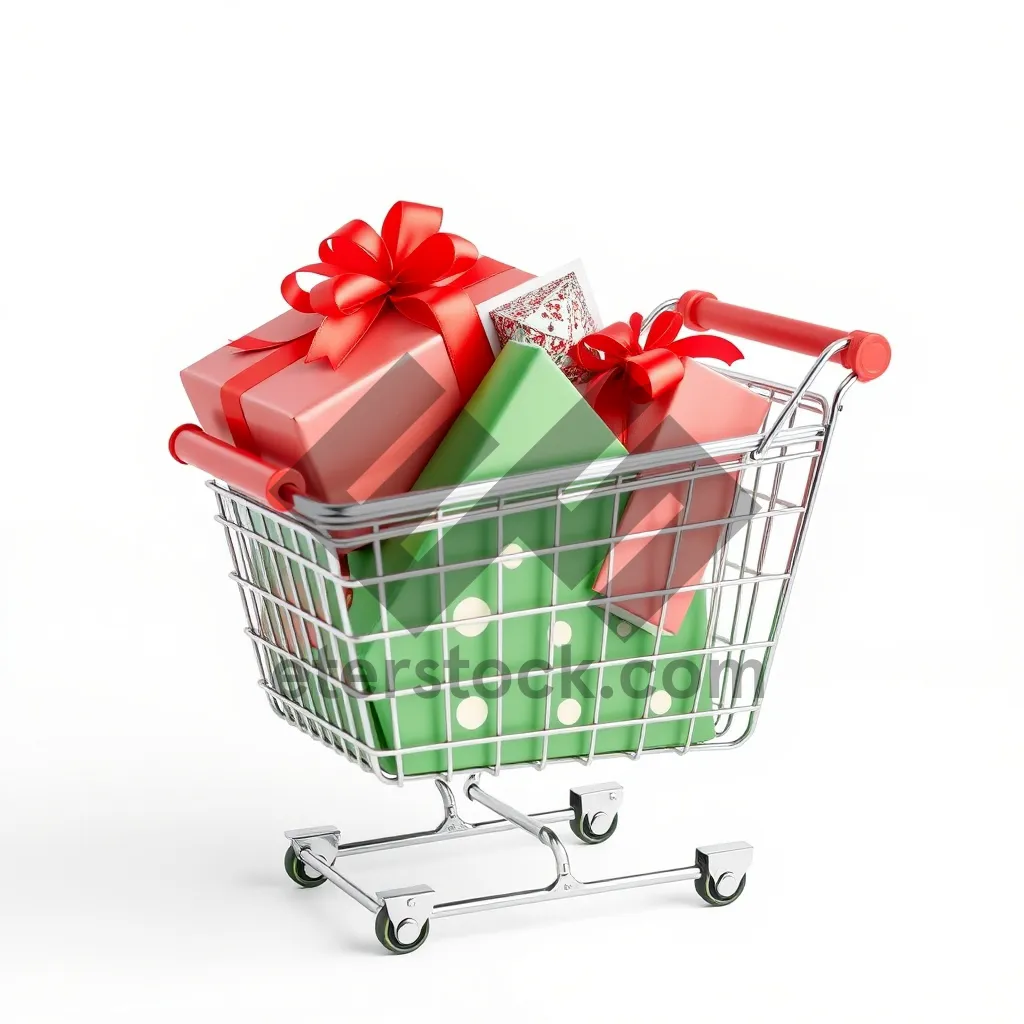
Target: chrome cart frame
[(295, 590)]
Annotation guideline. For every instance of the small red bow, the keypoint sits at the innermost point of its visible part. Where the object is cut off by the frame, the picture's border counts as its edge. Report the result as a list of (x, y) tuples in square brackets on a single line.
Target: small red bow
[(363, 271), (634, 374)]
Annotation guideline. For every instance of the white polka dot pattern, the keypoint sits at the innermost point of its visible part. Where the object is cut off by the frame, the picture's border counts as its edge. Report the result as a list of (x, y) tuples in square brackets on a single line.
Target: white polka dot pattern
[(569, 711), (470, 608), (512, 549), (471, 713), (561, 633), (661, 701)]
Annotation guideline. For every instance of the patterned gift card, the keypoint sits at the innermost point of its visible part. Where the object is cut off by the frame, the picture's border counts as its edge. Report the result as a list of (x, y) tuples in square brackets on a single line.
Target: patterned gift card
[(553, 311)]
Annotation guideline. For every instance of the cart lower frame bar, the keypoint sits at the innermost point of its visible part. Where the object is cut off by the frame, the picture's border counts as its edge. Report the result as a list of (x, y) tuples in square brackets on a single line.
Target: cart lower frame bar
[(404, 914)]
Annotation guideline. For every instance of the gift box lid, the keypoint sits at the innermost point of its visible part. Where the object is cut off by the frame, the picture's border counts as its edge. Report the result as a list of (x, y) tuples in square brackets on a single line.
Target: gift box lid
[(524, 416)]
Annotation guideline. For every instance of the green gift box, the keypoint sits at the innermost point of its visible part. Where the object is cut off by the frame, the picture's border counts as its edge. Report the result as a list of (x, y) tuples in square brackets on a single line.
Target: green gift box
[(502, 607)]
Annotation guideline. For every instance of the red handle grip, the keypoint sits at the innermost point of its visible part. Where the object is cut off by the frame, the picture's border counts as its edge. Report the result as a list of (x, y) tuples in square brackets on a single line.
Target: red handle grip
[(272, 485), (867, 355)]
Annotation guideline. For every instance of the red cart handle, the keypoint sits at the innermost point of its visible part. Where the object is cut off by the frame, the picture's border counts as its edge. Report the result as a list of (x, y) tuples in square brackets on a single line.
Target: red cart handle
[(272, 485), (867, 355)]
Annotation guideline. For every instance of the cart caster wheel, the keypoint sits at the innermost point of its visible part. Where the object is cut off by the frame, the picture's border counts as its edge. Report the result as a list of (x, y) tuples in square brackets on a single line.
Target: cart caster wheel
[(297, 871), (709, 892), (594, 830), (387, 937)]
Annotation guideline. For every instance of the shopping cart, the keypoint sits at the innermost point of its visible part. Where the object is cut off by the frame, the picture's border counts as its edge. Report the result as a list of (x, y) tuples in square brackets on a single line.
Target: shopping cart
[(297, 587)]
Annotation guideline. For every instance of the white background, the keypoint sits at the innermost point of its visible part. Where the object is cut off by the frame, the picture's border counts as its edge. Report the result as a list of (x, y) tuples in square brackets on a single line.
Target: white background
[(166, 164)]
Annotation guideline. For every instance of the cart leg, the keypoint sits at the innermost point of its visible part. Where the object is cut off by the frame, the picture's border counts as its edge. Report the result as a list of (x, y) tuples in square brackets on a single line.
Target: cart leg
[(452, 826)]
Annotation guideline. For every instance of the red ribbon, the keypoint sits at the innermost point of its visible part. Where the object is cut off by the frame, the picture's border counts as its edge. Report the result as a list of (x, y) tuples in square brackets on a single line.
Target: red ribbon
[(632, 374), (411, 265)]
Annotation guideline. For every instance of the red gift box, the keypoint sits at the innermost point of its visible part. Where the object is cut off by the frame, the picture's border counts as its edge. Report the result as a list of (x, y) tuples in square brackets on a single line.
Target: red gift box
[(357, 384), (656, 398)]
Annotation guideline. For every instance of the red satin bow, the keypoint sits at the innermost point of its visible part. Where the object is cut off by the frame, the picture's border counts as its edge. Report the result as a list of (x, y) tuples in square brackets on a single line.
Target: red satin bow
[(634, 374), (363, 271)]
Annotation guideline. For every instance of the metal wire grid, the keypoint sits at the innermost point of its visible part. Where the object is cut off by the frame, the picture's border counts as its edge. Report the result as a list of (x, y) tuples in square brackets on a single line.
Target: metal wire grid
[(295, 591)]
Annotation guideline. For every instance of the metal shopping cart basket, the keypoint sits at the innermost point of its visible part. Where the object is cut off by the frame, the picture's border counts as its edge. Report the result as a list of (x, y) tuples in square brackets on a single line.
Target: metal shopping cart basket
[(293, 562)]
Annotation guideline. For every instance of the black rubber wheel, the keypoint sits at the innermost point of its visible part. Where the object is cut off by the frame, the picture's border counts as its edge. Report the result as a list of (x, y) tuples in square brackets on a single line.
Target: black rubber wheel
[(386, 936), (581, 830), (297, 871), (708, 892)]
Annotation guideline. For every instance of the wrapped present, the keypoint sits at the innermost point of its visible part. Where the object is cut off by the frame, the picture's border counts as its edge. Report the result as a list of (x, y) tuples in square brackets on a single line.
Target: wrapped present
[(355, 386), (656, 398), (554, 311), (502, 593)]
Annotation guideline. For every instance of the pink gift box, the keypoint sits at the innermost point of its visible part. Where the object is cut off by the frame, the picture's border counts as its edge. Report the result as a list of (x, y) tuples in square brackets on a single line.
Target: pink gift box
[(704, 407), (362, 431)]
